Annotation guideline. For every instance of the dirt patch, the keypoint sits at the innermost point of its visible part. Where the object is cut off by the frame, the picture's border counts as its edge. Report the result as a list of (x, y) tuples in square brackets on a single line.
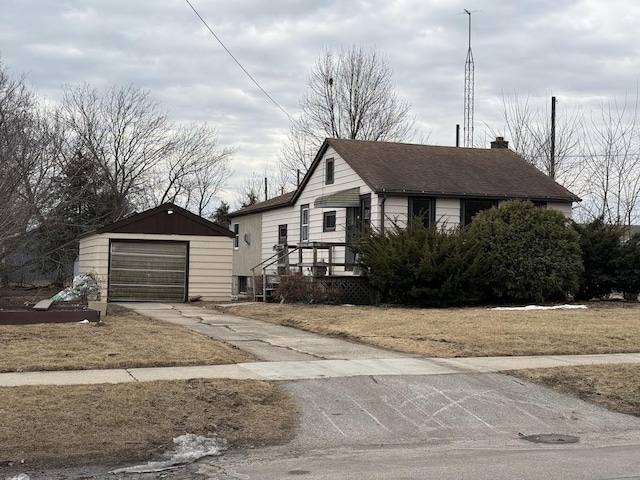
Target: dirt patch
[(466, 332), (25, 296), (118, 424)]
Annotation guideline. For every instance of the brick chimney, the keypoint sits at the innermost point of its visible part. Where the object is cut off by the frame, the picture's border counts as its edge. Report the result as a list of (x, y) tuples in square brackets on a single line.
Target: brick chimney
[(500, 142)]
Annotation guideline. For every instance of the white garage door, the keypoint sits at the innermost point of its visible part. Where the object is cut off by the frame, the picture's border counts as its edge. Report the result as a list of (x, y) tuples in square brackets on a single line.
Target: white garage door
[(148, 271)]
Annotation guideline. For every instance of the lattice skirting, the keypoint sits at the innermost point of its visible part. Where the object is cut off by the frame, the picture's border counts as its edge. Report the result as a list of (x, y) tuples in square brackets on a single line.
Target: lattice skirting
[(356, 290)]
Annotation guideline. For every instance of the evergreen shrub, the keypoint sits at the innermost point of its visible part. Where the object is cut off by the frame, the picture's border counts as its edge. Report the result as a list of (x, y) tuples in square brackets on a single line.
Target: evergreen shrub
[(601, 256), (523, 253)]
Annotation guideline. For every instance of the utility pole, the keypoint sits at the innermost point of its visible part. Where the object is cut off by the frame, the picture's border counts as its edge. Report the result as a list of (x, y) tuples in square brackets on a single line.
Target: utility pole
[(468, 92), (552, 153)]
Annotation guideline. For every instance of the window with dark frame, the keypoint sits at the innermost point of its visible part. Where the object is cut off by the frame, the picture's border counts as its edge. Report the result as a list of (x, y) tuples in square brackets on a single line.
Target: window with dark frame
[(236, 236), (424, 208), (329, 221), (304, 223), (471, 207), (282, 234), (329, 171)]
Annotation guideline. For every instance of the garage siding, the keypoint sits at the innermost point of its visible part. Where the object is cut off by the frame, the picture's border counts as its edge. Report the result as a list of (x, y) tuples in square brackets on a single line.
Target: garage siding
[(209, 261)]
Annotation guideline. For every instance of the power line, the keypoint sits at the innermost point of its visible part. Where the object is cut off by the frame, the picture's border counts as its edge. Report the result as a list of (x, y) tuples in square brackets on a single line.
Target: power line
[(239, 64)]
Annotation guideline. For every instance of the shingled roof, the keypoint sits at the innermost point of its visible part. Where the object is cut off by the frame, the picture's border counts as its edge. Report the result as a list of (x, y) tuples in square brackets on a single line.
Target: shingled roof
[(404, 168), (413, 169), (274, 202)]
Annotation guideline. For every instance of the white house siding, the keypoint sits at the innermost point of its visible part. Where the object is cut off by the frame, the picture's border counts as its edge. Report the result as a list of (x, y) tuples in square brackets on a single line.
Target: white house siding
[(209, 261), (448, 212), (344, 178), (565, 208), (395, 211)]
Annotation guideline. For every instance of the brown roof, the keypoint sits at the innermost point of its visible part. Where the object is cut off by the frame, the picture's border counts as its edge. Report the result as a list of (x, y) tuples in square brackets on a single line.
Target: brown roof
[(274, 202), (446, 171), (158, 220), (412, 169)]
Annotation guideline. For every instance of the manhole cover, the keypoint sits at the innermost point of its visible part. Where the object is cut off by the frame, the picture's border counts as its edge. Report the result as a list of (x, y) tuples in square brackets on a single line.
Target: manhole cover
[(555, 438)]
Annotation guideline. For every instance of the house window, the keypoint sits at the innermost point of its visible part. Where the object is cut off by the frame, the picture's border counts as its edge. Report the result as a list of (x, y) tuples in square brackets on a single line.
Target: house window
[(470, 208), (236, 236), (539, 203), (304, 223), (282, 234), (329, 221), (424, 208), (329, 171)]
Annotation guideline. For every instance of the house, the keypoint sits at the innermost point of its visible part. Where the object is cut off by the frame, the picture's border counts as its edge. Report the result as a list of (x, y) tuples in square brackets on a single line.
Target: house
[(352, 184), (163, 254)]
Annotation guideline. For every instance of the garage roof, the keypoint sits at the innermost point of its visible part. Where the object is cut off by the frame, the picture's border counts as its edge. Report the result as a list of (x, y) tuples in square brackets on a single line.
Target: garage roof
[(168, 219)]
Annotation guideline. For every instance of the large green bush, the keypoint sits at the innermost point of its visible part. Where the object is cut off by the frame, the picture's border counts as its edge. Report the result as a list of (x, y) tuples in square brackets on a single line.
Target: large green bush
[(417, 265), (523, 253), (601, 255)]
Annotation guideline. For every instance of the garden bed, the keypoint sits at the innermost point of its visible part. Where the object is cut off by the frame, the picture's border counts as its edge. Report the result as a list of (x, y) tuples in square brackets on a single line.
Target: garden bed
[(58, 313)]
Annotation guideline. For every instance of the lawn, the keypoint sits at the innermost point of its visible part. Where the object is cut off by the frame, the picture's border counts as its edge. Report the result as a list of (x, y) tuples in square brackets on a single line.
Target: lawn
[(466, 332), (111, 425), (126, 340)]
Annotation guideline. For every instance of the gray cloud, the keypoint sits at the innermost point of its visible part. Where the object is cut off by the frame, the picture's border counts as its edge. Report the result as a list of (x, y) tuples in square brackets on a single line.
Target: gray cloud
[(581, 51)]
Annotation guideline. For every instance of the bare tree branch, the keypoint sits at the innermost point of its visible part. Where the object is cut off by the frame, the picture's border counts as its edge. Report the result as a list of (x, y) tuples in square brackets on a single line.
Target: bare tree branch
[(350, 95)]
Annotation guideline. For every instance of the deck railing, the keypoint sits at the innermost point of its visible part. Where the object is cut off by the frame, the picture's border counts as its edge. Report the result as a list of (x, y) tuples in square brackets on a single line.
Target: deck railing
[(282, 257)]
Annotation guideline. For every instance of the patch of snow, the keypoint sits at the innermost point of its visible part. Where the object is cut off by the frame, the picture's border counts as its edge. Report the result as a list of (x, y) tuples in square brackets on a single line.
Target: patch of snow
[(189, 448), (542, 307), (22, 476)]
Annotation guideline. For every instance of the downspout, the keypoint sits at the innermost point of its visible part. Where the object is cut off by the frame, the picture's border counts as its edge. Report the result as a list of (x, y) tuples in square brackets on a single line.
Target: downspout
[(384, 199)]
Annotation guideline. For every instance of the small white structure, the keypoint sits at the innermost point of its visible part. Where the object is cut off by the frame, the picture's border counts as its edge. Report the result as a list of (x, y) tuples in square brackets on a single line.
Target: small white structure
[(163, 254)]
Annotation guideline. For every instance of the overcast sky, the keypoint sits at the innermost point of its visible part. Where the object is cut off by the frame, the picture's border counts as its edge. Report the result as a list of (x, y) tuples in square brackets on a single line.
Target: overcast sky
[(583, 52)]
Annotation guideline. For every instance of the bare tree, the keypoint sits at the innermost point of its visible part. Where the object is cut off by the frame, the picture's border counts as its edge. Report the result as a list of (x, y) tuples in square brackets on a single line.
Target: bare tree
[(26, 168), (350, 95), (144, 159), (251, 191), (194, 170), (612, 160), (528, 128), (125, 132)]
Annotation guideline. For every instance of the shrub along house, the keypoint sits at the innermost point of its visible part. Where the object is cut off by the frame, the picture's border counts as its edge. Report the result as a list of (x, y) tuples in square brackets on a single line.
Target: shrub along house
[(163, 254), (352, 184)]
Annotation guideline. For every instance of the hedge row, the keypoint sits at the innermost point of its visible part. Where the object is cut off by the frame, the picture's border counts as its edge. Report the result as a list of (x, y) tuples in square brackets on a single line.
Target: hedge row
[(516, 253)]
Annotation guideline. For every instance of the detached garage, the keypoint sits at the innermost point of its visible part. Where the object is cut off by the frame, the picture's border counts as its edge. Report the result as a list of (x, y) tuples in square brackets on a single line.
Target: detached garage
[(164, 254)]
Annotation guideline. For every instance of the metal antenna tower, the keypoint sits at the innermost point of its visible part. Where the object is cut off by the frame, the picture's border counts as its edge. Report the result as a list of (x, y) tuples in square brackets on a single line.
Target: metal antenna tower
[(468, 92)]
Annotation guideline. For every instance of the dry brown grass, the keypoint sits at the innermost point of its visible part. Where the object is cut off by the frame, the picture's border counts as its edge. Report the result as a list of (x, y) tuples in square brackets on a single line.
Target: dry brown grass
[(128, 340), (467, 332), (616, 387), (115, 424)]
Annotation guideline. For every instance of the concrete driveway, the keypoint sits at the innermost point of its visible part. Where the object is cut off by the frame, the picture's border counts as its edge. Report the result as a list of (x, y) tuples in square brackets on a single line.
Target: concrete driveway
[(461, 422)]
